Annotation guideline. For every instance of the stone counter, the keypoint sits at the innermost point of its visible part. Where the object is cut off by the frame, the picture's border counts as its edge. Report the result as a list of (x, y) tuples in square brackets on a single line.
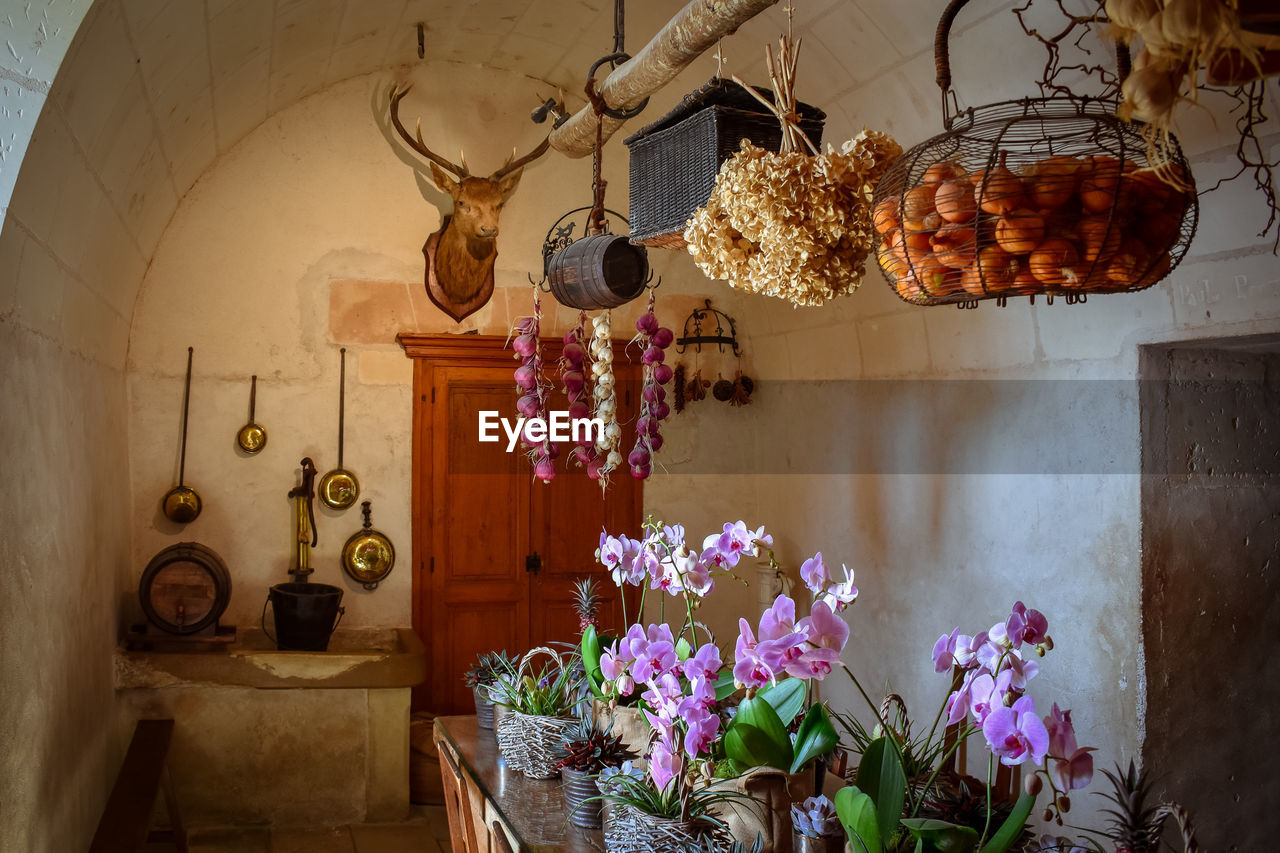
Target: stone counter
[(264, 737)]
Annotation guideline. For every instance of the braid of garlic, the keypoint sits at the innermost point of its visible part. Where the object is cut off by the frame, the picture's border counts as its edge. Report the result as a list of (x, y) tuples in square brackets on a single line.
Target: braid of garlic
[(604, 392)]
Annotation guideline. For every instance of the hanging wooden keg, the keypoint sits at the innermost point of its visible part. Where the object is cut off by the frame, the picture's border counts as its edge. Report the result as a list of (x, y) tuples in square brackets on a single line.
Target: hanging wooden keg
[(185, 589), (599, 271)]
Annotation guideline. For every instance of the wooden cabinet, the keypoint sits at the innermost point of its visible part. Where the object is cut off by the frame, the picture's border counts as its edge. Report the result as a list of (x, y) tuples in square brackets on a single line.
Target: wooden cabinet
[(496, 552)]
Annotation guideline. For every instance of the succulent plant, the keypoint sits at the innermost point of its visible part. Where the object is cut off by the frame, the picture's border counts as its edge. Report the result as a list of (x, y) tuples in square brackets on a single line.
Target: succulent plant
[(487, 668), (815, 818), (590, 749), (608, 776)]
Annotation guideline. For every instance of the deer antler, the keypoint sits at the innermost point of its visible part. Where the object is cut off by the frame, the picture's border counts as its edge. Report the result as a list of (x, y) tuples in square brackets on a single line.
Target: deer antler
[(397, 95), (512, 163)]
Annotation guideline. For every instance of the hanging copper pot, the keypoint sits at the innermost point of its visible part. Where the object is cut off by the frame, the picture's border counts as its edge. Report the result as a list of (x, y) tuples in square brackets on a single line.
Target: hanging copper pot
[(182, 503), (368, 556), (339, 488)]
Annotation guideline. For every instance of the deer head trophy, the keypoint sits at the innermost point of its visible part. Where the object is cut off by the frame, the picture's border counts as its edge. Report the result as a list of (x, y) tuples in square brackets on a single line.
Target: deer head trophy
[(460, 255)]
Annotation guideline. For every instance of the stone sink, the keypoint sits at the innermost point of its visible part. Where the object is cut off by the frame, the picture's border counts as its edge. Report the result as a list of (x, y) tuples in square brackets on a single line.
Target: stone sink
[(357, 658)]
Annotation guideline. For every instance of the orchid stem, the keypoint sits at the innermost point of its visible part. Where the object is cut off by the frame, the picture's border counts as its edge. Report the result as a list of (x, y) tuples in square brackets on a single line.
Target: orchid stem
[(987, 826)]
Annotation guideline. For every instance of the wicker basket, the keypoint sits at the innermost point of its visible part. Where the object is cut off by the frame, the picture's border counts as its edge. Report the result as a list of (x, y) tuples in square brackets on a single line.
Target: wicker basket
[(674, 160), (628, 830), (1041, 196), (532, 744)]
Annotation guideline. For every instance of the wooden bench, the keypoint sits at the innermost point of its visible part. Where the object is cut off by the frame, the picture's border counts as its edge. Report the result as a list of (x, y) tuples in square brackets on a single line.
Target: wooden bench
[(125, 826)]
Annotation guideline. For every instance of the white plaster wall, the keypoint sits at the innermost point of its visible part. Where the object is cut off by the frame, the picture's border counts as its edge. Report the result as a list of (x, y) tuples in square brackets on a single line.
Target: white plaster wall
[(244, 274), (933, 550)]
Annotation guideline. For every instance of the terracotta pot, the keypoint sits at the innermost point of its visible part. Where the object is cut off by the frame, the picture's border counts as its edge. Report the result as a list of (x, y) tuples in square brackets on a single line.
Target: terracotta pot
[(628, 724), (579, 787), (825, 844), (484, 706)]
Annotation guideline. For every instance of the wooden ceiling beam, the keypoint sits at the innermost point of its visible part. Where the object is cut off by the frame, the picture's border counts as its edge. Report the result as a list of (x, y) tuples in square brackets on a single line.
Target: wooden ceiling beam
[(690, 33)]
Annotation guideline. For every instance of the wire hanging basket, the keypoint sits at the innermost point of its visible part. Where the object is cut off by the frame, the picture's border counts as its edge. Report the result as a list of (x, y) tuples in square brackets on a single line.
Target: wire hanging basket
[(1050, 196)]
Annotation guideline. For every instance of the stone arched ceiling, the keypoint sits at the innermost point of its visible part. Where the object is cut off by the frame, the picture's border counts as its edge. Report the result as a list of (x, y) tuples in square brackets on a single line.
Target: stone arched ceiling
[(154, 90)]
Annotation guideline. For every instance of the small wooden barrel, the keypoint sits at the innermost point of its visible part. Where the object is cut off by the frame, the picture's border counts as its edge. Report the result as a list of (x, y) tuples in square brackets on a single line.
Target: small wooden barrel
[(185, 588), (600, 271)]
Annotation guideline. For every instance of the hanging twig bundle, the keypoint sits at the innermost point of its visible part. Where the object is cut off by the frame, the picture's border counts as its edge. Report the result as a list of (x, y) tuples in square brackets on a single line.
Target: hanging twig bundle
[(792, 224)]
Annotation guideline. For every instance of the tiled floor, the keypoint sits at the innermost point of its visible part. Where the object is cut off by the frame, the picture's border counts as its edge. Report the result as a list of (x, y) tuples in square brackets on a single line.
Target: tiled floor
[(427, 831)]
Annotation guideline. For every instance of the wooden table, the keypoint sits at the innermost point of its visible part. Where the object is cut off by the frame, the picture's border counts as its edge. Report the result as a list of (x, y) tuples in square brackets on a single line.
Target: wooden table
[(530, 811)]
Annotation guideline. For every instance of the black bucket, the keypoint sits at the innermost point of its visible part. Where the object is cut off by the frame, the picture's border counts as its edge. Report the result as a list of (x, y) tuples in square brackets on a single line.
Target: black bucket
[(305, 615)]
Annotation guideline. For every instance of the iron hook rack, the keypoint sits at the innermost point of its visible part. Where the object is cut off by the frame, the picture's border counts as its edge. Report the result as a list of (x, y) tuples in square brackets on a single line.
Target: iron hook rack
[(694, 336)]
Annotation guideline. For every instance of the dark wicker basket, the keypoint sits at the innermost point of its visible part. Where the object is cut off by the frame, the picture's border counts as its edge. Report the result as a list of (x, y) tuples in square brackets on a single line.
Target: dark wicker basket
[(675, 160)]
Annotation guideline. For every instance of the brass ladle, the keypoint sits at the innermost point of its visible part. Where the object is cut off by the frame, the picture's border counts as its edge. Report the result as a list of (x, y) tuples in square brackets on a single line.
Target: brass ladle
[(339, 488), (182, 503), (252, 437)]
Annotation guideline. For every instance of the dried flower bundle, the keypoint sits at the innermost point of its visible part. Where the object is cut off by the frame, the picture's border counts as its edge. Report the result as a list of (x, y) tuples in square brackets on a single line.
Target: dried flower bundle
[(791, 225)]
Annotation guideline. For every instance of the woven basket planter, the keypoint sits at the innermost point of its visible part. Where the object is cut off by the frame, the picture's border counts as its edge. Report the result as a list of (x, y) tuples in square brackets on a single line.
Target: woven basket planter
[(531, 744), (674, 160), (628, 830)]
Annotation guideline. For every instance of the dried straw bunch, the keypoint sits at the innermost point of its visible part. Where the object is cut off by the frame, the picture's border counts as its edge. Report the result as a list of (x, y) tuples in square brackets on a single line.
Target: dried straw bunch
[(792, 225)]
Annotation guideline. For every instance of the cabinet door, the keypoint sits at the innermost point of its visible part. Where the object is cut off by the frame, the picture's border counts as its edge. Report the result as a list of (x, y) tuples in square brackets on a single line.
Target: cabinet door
[(565, 523)]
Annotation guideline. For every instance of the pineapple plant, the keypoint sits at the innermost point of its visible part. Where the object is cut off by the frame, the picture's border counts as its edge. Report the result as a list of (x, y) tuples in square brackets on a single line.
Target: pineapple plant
[(1135, 826), (586, 602)]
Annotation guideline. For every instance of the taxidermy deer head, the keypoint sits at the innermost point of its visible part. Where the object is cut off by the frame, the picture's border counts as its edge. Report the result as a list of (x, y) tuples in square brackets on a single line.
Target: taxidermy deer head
[(460, 255)]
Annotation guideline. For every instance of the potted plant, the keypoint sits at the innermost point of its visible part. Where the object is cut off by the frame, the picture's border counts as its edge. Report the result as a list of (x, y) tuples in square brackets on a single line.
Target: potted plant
[(540, 703), (675, 678), (588, 750), (480, 677), (815, 827)]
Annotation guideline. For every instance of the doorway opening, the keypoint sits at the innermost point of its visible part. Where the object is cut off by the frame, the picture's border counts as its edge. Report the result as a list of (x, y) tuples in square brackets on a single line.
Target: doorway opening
[(1210, 415)]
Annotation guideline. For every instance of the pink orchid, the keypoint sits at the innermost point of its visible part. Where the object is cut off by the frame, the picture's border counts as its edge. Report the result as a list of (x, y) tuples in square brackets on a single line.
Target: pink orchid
[(779, 620), (656, 659), (701, 734), (841, 595), (1026, 626), (988, 694), (1020, 671), (664, 765), (944, 651), (758, 664), (1016, 734), (967, 647), (814, 574), (1072, 767), (705, 663), (814, 664), (824, 629)]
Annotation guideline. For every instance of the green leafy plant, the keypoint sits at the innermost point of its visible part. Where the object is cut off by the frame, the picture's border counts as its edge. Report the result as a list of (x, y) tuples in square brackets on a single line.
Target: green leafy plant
[(759, 736), (871, 812), (547, 691)]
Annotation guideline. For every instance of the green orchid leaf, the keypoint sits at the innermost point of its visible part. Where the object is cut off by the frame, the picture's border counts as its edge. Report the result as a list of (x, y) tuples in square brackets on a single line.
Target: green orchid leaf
[(773, 746), (817, 736), (786, 697), (1012, 827), (880, 774), (590, 647), (857, 815), (942, 836), (724, 685), (683, 649), (749, 747)]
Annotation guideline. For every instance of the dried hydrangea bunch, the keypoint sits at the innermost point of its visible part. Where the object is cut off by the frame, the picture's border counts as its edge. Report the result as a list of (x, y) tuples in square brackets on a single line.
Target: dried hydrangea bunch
[(792, 225)]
